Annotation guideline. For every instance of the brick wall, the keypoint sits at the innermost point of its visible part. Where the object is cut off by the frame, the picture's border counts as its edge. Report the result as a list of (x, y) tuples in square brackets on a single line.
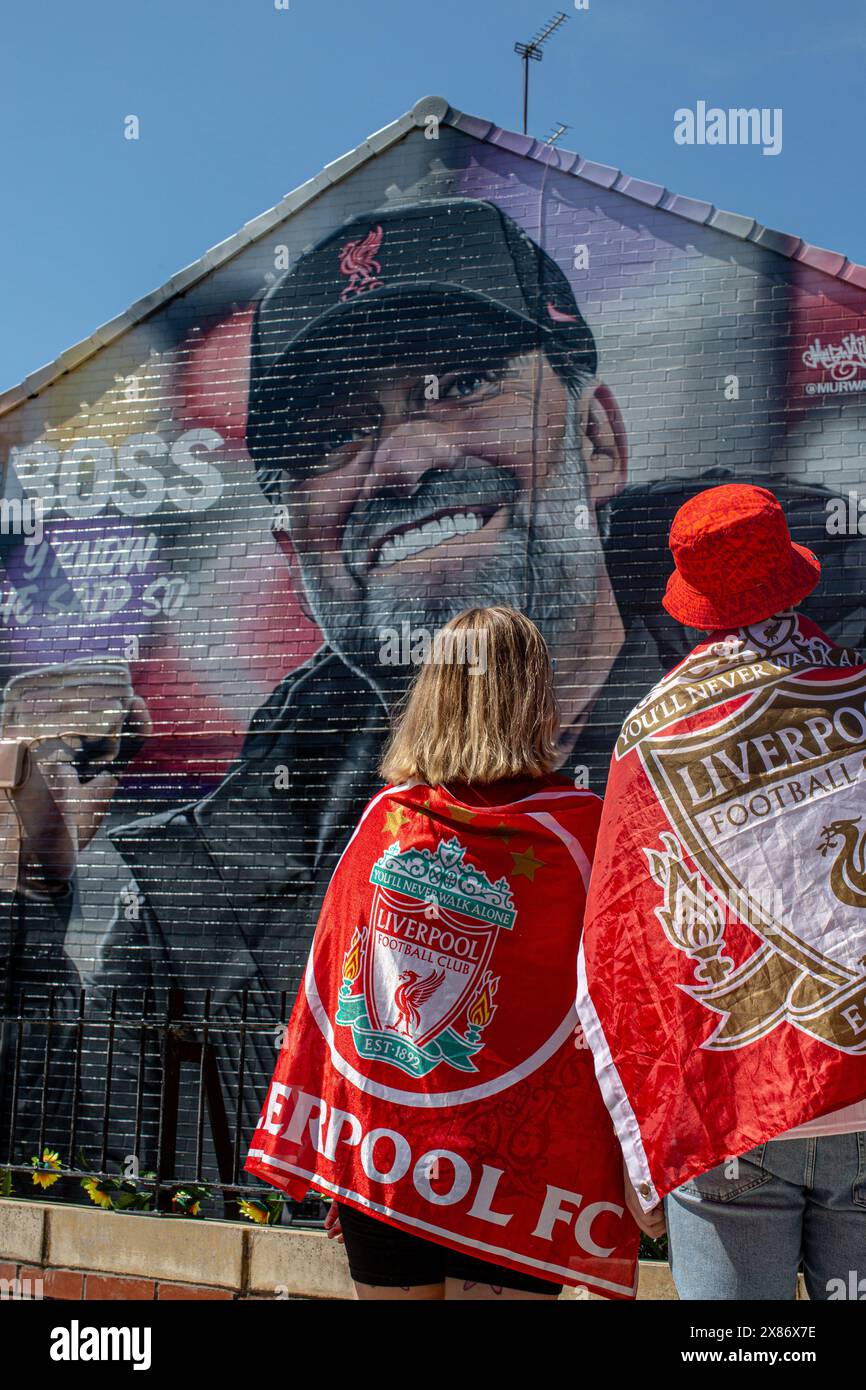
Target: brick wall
[(75, 1285), (84, 1254), (719, 346)]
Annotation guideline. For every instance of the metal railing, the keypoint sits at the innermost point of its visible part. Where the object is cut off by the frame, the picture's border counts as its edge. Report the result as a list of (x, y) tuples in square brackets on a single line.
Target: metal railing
[(163, 1118)]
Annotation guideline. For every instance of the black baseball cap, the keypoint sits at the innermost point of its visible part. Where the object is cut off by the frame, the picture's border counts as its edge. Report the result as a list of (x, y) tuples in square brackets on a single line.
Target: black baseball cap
[(448, 260)]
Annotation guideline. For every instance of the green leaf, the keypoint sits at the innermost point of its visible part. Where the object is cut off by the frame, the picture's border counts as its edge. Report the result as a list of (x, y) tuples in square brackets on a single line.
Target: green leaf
[(124, 1200)]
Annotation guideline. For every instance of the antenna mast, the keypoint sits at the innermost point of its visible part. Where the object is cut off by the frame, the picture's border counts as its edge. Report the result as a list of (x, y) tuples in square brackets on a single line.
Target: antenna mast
[(532, 52)]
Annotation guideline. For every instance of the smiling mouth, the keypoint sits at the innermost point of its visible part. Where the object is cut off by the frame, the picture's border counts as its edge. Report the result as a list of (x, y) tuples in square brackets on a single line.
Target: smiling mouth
[(440, 527)]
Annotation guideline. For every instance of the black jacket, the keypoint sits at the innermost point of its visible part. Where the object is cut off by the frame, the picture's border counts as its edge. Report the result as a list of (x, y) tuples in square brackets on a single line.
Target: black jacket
[(229, 887)]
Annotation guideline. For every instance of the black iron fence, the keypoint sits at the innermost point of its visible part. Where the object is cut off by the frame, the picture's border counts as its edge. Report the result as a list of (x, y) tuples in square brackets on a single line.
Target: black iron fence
[(151, 1100)]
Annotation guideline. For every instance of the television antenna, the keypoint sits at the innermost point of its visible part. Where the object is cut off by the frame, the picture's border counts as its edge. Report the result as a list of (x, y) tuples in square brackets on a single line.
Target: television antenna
[(556, 134), (531, 52)]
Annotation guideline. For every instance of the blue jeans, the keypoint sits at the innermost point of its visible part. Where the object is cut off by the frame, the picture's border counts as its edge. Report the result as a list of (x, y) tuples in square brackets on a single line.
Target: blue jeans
[(744, 1234)]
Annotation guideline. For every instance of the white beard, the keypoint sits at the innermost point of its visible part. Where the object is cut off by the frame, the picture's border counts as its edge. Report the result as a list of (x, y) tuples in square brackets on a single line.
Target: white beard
[(541, 565)]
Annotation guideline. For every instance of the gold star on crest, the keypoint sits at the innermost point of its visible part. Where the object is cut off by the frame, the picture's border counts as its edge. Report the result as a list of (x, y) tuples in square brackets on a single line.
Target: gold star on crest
[(526, 863), (393, 821), (460, 812)]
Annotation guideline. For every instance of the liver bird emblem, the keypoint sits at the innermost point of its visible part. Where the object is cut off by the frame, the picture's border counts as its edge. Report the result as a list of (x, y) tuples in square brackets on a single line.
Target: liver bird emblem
[(358, 261), (848, 873), (412, 990)]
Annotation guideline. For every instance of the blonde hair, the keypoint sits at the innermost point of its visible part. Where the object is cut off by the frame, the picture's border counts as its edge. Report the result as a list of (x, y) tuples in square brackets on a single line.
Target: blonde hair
[(474, 720)]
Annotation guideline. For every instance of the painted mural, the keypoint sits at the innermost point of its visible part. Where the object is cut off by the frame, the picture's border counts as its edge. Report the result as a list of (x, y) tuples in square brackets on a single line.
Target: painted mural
[(460, 376)]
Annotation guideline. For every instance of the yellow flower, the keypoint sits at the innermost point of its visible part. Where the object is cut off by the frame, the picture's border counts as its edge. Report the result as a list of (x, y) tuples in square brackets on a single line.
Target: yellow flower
[(44, 1176), (180, 1201), (254, 1211), (95, 1193)]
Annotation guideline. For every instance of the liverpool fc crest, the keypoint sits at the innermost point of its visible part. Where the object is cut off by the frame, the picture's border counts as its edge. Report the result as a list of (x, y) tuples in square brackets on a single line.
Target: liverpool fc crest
[(417, 985), (767, 802)]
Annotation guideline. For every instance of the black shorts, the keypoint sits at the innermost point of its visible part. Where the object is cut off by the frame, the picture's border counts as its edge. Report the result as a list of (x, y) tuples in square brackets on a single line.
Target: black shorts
[(384, 1256)]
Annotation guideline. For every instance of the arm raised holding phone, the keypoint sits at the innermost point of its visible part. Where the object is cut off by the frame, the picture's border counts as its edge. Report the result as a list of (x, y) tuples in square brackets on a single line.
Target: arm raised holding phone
[(83, 723)]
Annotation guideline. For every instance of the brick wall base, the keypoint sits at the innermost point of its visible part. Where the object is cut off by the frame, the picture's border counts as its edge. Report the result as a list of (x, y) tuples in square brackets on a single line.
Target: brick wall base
[(71, 1253), (79, 1285)]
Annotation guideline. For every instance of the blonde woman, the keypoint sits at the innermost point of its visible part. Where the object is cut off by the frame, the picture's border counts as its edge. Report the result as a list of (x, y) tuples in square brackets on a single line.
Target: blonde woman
[(433, 1080)]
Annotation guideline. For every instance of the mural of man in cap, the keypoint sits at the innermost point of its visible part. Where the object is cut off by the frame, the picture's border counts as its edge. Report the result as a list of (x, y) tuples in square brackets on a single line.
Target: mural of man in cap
[(424, 410), (426, 418)]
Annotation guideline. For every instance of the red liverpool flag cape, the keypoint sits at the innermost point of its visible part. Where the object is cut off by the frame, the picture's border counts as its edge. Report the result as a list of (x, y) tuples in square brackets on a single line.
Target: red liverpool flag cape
[(723, 964), (433, 1072)]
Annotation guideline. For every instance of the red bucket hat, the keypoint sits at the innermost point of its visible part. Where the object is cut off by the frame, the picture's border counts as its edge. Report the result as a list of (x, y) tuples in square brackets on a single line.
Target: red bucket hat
[(735, 560)]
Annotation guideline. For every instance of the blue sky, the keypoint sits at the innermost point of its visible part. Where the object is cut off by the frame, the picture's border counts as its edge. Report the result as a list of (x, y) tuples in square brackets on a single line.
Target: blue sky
[(239, 102)]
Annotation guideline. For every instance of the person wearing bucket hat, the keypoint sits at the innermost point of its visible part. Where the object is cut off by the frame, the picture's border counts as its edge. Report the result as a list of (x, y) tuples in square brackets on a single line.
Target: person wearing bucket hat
[(759, 808), (735, 561)]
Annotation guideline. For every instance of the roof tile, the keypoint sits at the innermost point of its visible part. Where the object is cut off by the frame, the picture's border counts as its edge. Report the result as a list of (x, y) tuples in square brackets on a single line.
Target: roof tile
[(693, 208), (854, 274), (510, 140), (603, 174), (772, 240), (651, 193), (732, 223), (831, 262)]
